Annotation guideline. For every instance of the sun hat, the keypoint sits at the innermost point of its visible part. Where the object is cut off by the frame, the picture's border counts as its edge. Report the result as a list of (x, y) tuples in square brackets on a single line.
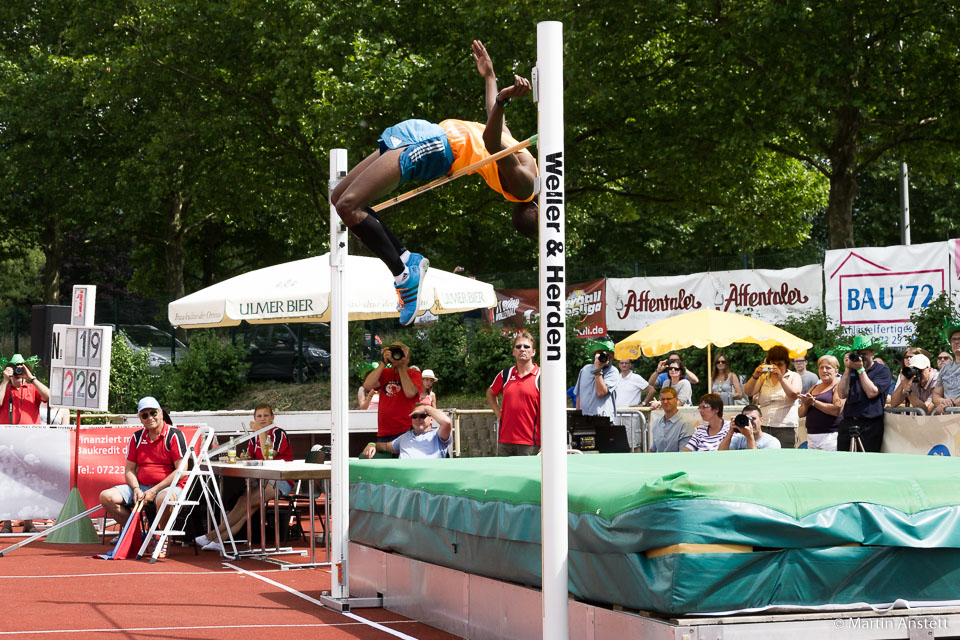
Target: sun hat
[(950, 327), (428, 373), (605, 344)]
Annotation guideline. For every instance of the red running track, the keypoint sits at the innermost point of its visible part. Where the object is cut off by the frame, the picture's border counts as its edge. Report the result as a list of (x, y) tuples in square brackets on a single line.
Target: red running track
[(58, 591)]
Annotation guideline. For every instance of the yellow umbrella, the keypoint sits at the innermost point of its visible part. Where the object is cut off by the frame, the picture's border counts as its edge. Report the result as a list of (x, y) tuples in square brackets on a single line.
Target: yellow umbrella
[(705, 328)]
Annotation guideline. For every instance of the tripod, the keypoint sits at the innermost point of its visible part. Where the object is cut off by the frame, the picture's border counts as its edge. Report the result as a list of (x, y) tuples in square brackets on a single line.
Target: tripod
[(856, 443)]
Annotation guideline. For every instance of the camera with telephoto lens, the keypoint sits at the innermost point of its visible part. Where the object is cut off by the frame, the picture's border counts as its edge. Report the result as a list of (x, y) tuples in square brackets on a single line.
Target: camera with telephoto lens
[(603, 358), (18, 370), (396, 353), (741, 420), (910, 372), (854, 356)]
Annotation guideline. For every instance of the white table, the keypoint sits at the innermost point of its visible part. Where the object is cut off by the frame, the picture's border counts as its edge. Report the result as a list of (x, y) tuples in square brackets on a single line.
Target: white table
[(277, 470)]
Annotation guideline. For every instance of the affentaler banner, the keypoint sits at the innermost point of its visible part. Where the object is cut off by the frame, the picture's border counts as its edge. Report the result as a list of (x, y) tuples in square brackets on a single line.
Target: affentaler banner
[(768, 294)]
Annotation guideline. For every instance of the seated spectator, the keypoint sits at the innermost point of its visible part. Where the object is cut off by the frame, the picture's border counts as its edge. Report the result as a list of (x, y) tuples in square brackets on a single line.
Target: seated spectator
[(747, 432), (943, 358), (946, 394), (776, 389), (661, 375), (257, 449), (821, 408), (916, 384), (153, 455), (422, 440), (726, 383), (631, 387), (711, 433), (427, 396), (669, 432)]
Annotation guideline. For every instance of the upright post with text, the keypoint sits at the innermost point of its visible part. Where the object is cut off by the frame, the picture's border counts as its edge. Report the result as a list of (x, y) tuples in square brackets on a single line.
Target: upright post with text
[(339, 391), (548, 91)]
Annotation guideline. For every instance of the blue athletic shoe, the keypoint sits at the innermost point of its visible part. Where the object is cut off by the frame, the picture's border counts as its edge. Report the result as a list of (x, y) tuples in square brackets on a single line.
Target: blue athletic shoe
[(409, 291)]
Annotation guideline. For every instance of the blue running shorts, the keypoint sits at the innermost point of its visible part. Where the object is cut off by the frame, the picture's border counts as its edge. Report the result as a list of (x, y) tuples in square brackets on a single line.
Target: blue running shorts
[(426, 150)]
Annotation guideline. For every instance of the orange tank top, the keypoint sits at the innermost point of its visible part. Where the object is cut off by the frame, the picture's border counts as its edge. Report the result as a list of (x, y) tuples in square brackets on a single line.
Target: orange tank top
[(466, 142)]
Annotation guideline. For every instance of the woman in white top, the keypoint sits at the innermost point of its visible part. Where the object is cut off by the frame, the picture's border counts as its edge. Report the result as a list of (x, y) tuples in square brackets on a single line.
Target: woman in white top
[(777, 389)]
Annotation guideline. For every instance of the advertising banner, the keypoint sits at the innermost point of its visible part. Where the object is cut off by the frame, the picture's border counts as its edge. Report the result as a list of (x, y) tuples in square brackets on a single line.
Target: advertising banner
[(585, 307), (921, 435), (34, 471), (770, 295), (103, 457), (874, 290)]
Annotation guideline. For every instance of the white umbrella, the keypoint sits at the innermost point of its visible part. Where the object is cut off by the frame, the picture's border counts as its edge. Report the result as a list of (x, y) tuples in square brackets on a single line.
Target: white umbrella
[(299, 291)]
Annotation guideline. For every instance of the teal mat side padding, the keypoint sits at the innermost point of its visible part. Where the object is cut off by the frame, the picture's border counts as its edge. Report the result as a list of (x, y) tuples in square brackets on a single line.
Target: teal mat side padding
[(680, 584)]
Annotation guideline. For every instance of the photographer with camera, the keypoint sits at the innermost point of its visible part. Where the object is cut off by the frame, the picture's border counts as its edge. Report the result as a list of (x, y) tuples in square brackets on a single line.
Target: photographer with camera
[(746, 432), (399, 387), (776, 389), (22, 392), (917, 381), (597, 382), (22, 395), (863, 385)]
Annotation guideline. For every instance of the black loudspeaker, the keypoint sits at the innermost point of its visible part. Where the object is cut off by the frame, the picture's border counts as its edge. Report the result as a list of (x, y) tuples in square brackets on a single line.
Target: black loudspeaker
[(42, 319)]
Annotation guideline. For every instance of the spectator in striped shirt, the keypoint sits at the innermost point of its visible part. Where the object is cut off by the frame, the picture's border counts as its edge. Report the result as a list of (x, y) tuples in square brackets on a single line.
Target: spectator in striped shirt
[(711, 433)]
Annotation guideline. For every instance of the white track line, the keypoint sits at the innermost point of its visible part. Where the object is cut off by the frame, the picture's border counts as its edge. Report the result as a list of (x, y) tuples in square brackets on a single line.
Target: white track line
[(192, 628), (318, 603)]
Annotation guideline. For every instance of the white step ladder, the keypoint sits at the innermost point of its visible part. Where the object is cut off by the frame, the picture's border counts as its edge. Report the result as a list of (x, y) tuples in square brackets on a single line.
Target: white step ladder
[(194, 466)]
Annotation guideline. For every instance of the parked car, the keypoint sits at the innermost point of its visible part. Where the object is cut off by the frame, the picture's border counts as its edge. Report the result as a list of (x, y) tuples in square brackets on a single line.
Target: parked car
[(273, 351), (148, 337)]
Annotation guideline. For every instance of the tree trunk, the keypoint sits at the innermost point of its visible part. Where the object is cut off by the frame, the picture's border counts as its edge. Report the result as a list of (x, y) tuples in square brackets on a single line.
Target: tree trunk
[(176, 210), (54, 259), (843, 179)]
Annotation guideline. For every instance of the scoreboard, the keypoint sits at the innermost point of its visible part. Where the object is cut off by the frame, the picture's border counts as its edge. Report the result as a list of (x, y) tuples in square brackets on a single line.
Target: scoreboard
[(80, 367)]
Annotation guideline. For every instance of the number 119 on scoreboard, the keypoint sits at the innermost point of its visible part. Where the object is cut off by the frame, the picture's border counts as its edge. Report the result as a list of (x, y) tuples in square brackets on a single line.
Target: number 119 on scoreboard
[(80, 367)]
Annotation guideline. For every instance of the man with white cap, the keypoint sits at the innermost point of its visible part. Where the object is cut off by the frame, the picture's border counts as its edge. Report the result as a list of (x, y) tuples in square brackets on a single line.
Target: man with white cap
[(917, 382), (153, 455)]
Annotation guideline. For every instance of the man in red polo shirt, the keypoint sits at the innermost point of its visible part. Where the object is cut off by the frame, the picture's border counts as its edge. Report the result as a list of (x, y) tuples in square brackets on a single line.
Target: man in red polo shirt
[(519, 411), (153, 454), (399, 387), (22, 395)]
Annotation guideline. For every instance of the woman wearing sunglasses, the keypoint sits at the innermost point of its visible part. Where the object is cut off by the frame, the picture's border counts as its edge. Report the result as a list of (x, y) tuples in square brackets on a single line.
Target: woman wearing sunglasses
[(677, 379), (726, 383)]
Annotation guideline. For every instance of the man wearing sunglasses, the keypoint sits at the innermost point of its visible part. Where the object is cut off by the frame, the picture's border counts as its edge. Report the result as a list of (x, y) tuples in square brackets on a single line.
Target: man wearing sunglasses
[(422, 440), (153, 454), (519, 411)]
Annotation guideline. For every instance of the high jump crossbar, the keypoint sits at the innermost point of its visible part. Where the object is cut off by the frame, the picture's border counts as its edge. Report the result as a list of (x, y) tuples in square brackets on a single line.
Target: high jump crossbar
[(457, 174)]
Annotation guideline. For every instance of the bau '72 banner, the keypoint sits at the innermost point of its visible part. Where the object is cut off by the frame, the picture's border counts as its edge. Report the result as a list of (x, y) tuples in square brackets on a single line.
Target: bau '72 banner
[(875, 290)]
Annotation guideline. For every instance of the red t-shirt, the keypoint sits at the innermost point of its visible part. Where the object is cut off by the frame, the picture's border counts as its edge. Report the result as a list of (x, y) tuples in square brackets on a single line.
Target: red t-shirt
[(25, 401), (520, 407), (393, 414), (281, 446), (155, 460)]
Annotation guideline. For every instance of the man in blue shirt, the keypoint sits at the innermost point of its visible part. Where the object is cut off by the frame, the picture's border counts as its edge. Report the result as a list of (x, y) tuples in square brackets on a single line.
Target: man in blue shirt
[(597, 382), (422, 440), (749, 436)]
